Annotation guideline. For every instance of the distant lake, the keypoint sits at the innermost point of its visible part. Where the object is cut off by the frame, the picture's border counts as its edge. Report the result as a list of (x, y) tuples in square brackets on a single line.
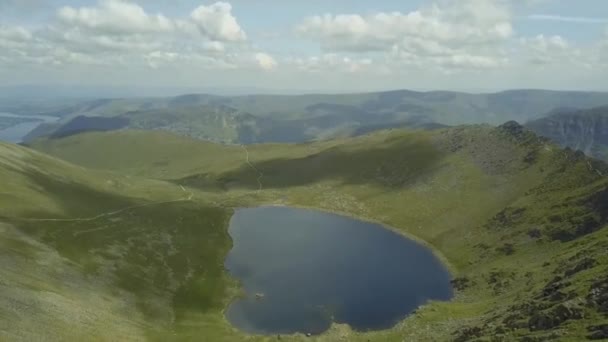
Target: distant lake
[(303, 269), (16, 133)]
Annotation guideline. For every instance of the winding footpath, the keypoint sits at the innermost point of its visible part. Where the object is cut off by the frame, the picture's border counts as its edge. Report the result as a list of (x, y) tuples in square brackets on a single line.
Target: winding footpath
[(260, 173), (115, 212)]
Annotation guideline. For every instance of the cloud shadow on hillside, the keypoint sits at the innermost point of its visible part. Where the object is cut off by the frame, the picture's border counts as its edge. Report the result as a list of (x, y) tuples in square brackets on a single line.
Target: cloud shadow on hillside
[(396, 163)]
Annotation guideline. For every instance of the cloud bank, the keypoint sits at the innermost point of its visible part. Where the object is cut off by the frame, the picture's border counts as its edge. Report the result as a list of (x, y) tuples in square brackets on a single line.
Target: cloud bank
[(441, 44)]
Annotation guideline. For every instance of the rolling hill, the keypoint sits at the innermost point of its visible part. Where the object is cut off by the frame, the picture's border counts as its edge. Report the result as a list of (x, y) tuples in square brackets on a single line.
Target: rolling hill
[(89, 255), (520, 223), (585, 130), (299, 118)]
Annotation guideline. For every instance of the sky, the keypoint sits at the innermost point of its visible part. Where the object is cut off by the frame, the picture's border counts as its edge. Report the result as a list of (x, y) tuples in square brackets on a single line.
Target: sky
[(312, 45)]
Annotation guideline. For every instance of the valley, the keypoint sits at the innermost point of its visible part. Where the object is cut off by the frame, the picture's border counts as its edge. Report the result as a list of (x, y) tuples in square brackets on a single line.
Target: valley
[(293, 171), (519, 222), (14, 128)]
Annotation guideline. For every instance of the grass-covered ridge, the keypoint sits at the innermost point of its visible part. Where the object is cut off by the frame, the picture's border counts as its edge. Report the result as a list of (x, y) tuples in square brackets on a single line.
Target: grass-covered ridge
[(520, 222), (94, 255)]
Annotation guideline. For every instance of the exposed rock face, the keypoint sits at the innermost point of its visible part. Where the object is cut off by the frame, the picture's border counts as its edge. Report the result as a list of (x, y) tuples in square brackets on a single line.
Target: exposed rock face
[(553, 291), (468, 334), (554, 317), (594, 216), (582, 265), (513, 128), (598, 296), (598, 332), (461, 283), (585, 130)]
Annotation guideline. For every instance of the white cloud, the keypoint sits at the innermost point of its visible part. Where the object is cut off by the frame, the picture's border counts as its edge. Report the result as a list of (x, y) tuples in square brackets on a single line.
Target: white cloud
[(457, 34), (451, 36), (15, 33), (120, 17), (123, 33), (265, 61), (450, 42), (568, 19), (467, 22), (545, 44), (217, 22), (115, 17), (214, 46), (331, 63), (543, 50)]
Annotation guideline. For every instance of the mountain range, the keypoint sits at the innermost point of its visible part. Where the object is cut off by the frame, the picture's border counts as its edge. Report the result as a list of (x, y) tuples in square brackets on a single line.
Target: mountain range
[(301, 118)]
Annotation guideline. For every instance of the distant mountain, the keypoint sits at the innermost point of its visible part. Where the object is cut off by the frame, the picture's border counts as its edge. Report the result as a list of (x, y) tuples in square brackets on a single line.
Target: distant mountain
[(283, 118), (37, 92), (87, 124), (585, 130)]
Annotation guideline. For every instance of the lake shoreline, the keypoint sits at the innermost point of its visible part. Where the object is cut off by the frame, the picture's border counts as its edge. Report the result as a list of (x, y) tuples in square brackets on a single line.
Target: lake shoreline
[(16, 133), (411, 265)]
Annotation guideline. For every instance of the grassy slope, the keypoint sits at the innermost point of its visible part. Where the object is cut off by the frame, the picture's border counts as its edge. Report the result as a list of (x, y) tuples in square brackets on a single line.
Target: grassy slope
[(508, 213), (154, 154), (70, 273)]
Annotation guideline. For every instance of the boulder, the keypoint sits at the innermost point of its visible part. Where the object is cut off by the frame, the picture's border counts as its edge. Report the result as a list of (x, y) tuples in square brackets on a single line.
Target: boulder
[(598, 295), (598, 332), (557, 315)]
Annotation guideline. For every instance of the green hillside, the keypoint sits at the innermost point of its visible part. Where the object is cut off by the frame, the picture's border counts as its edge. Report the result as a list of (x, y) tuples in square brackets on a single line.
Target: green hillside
[(520, 222), (90, 255)]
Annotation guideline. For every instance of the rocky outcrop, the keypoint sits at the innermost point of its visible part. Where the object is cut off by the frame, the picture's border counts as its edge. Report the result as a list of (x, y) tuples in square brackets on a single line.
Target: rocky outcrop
[(556, 316), (461, 283), (554, 290), (598, 296), (598, 332)]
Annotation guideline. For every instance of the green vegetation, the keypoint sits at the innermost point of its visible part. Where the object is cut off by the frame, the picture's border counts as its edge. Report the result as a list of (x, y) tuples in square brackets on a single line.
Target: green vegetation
[(91, 254), (520, 223)]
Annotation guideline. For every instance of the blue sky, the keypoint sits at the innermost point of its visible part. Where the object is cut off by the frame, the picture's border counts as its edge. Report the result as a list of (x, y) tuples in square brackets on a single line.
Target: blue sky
[(330, 46)]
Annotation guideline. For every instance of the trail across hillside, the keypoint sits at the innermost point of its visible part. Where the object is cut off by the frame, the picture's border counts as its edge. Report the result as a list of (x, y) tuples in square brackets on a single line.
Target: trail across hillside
[(111, 213), (261, 175)]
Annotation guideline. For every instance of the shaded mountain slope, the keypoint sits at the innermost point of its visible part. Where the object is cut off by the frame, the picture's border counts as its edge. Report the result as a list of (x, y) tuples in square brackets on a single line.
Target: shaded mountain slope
[(585, 130), (281, 118)]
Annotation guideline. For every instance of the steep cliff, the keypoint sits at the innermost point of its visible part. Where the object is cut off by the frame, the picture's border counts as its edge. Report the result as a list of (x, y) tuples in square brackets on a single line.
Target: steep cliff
[(585, 130)]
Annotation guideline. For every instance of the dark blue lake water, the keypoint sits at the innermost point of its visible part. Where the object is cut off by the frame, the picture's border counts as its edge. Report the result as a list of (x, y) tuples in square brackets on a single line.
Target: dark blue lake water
[(304, 269), (16, 133)]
